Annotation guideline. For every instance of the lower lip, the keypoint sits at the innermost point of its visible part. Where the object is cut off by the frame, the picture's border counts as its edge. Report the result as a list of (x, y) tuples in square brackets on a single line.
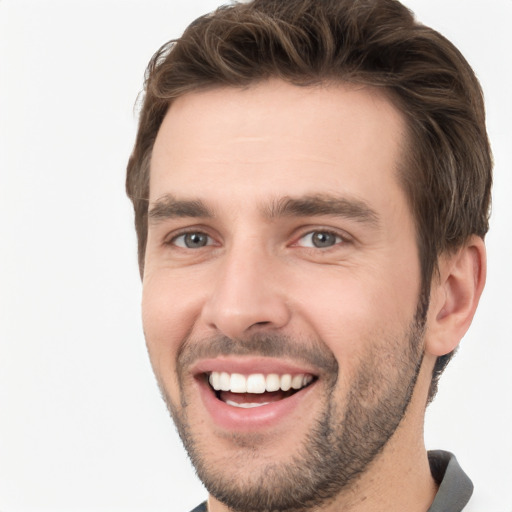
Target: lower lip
[(230, 417)]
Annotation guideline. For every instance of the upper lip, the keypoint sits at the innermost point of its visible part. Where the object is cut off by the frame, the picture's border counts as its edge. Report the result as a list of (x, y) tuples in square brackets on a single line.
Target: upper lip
[(250, 365)]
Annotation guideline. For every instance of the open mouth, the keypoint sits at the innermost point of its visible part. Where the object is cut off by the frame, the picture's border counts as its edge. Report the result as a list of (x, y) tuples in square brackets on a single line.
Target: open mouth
[(256, 390)]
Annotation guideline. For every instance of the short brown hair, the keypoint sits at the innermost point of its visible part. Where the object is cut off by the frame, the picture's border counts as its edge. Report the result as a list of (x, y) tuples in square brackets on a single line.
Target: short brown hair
[(447, 172)]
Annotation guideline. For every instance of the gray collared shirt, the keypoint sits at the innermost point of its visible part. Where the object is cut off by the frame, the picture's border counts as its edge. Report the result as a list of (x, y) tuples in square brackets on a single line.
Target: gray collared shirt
[(455, 488)]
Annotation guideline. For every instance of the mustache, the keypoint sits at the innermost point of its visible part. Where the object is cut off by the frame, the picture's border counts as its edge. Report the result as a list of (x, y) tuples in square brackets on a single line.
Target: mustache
[(311, 353)]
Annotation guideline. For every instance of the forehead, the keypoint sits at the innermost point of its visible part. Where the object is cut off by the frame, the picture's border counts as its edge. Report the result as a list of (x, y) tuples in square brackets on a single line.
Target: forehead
[(275, 137)]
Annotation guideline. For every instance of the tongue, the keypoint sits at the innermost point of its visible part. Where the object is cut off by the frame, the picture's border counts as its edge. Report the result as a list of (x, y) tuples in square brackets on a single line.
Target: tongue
[(254, 398)]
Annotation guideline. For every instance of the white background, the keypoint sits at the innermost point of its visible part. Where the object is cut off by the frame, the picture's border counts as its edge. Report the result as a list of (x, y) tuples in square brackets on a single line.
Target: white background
[(82, 427)]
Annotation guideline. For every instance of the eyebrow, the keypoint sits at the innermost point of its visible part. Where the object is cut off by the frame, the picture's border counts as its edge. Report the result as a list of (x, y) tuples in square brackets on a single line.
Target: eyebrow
[(168, 207), (322, 204)]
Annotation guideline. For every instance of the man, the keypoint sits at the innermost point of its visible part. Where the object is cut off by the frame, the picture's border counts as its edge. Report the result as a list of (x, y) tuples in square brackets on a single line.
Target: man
[(311, 184)]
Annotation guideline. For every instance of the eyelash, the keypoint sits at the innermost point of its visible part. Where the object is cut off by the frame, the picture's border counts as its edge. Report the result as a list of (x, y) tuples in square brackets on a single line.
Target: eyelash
[(338, 239), (173, 239), (341, 240)]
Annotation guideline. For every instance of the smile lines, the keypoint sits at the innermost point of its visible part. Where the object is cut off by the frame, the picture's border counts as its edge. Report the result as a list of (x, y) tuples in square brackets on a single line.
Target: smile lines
[(257, 382)]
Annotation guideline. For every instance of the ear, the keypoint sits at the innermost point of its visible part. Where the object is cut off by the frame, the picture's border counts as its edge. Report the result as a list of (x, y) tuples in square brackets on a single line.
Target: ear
[(454, 296)]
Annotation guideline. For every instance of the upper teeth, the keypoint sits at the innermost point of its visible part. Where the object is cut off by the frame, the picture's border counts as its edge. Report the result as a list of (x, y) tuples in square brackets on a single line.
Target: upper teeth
[(257, 382)]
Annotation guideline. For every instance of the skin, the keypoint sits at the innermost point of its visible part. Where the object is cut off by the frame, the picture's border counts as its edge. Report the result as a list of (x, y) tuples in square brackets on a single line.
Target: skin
[(241, 153)]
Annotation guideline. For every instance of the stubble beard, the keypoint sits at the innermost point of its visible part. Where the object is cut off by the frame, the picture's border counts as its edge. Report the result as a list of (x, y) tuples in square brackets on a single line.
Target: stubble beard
[(339, 447)]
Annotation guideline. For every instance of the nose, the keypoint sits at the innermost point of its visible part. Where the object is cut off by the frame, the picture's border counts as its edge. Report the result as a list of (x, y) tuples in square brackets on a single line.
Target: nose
[(246, 295)]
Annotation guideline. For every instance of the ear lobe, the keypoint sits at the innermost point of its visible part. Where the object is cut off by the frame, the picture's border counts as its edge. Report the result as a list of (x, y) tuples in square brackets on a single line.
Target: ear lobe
[(455, 295)]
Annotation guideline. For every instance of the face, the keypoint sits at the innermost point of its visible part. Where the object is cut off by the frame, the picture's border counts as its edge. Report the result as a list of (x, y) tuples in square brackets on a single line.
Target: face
[(281, 287)]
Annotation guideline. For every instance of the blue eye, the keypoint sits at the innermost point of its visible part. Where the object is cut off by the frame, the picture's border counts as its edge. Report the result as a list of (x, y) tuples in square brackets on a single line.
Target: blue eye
[(320, 239), (193, 240)]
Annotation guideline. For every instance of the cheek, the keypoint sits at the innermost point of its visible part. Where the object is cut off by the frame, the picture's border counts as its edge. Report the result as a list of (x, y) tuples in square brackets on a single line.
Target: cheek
[(170, 305), (167, 317), (349, 309)]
